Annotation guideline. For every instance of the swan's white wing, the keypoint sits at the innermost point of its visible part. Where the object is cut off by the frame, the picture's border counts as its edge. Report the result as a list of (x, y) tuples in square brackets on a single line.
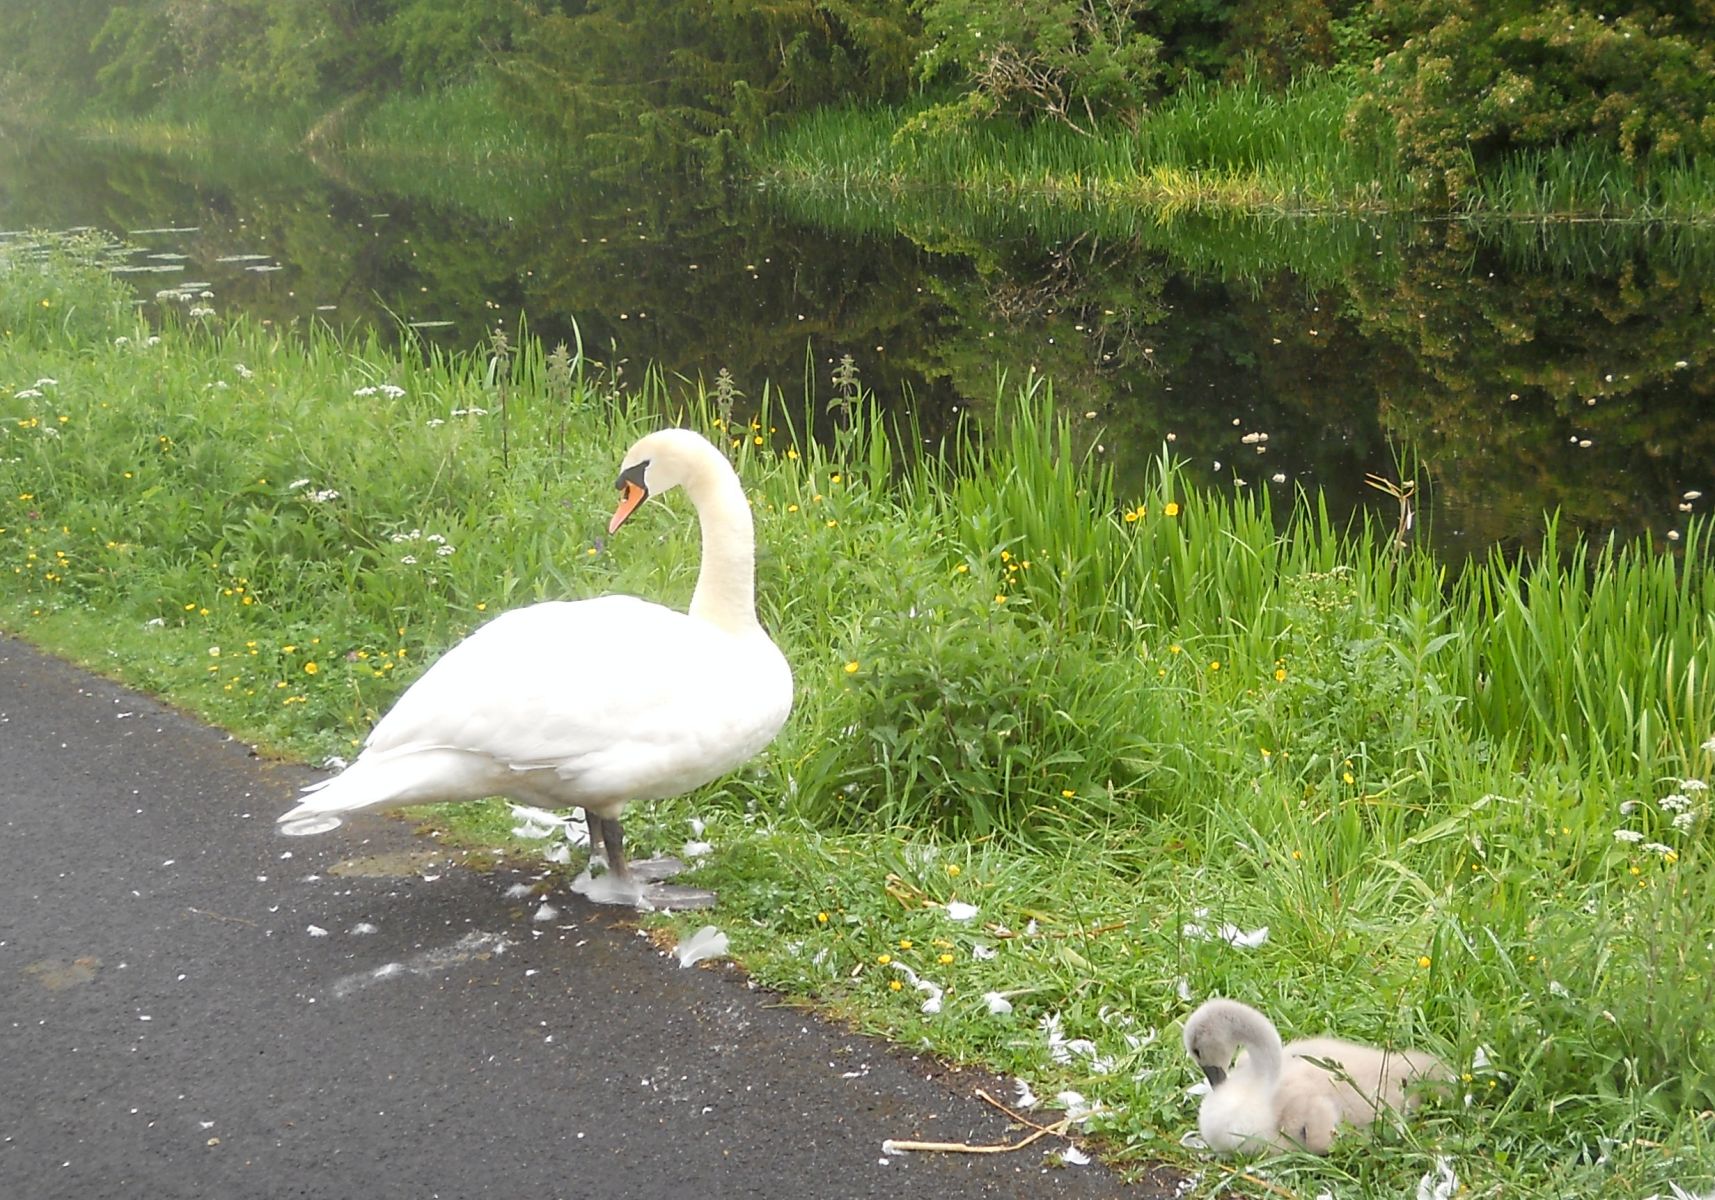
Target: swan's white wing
[(619, 698)]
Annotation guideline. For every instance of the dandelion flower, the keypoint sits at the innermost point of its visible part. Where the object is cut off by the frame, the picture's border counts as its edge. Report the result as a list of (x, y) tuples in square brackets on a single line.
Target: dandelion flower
[(1067, 793), (1423, 961), (851, 667), (1171, 508), (893, 985), (952, 868), (310, 668), (884, 959)]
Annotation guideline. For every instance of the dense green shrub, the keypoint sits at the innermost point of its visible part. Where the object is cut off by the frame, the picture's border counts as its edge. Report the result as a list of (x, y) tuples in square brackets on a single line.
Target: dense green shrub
[(1470, 82)]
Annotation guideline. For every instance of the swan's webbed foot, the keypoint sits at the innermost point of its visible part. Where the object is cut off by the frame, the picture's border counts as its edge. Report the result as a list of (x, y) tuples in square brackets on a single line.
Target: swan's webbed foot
[(678, 896), (653, 870), (633, 884)]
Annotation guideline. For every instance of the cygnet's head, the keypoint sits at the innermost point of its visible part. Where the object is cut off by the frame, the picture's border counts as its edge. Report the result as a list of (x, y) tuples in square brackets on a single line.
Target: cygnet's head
[(1214, 1033), (1307, 1117)]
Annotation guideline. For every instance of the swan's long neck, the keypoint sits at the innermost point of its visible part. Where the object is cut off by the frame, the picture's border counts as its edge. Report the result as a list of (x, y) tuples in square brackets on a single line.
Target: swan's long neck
[(1262, 1046), (726, 582)]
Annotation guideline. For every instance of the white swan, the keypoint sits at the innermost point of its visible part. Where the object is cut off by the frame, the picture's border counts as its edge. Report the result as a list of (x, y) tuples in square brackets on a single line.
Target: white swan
[(595, 703), (1277, 1097)]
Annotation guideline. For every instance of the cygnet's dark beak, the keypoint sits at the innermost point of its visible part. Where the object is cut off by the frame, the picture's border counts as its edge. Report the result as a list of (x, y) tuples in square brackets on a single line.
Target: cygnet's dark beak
[(1215, 1075)]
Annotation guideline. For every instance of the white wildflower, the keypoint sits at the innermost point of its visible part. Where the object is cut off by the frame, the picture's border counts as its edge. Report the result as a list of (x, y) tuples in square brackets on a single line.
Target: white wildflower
[(364, 391), (1688, 785), (28, 394), (392, 391), (1709, 745), (46, 381), (1658, 848), (443, 551), (1674, 803), (1684, 821), (410, 560), (122, 340), (242, 371), (296, 484), (1628, 835), (323, 496)]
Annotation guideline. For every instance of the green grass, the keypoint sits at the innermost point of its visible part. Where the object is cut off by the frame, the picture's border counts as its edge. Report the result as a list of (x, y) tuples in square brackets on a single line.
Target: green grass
[(1207, 149), (1105, 720)]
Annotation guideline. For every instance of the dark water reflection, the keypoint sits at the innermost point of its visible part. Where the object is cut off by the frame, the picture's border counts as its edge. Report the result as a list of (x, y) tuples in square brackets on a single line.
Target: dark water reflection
[(1568, 368)]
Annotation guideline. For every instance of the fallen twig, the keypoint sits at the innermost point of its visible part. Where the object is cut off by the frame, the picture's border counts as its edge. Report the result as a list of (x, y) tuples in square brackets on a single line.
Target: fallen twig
[(1022, 1120), (894, 1146)]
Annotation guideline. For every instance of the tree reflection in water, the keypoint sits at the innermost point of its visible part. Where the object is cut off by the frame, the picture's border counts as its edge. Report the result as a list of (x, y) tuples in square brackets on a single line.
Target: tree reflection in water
[(1524, 368)]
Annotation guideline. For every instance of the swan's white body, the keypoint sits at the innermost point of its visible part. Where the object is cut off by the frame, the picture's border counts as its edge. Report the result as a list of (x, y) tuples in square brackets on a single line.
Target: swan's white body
[(1275, 1097), (593, 703)]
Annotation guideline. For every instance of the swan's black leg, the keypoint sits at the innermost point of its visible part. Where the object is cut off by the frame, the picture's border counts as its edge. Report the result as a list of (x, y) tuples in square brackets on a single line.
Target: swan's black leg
[(613, 838)]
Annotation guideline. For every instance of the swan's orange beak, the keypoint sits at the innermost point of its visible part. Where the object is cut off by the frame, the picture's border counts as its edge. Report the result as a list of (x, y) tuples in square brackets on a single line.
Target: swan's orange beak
[(631, 495)]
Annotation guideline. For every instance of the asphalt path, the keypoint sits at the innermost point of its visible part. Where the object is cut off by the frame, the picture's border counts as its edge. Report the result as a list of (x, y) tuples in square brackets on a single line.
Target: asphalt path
[(193, 1005)]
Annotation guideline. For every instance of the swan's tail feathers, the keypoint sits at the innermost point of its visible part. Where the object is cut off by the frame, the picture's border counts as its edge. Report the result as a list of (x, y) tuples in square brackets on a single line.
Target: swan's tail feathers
[(386, 781)]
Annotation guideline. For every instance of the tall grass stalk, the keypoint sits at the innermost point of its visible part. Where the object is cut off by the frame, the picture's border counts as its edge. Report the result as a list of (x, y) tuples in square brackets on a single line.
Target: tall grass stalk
[(1471, 813)]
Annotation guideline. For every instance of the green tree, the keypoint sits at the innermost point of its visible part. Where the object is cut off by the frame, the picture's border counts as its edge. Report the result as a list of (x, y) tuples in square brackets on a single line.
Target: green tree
[(1064, 60), (634, 82)]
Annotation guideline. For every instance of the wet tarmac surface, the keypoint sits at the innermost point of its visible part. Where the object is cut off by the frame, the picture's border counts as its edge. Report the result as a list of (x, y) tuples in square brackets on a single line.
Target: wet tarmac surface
[(192, 1005)]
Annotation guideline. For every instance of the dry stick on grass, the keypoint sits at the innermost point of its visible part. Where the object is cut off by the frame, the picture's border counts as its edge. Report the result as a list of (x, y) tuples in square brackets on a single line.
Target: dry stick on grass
[(1058, 1129), (893, 1146)]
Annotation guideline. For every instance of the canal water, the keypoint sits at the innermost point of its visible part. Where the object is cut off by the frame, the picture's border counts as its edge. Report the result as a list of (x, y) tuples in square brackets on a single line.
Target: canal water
[(1502, 371)]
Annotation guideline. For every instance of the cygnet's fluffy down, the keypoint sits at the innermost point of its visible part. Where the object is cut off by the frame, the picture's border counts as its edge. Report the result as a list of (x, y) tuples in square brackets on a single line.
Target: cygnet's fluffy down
[(1265, 1096)]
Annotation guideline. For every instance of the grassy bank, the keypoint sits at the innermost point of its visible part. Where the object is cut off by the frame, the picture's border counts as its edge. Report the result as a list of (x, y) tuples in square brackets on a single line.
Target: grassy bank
[(1210, 150), (1470, 814)]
